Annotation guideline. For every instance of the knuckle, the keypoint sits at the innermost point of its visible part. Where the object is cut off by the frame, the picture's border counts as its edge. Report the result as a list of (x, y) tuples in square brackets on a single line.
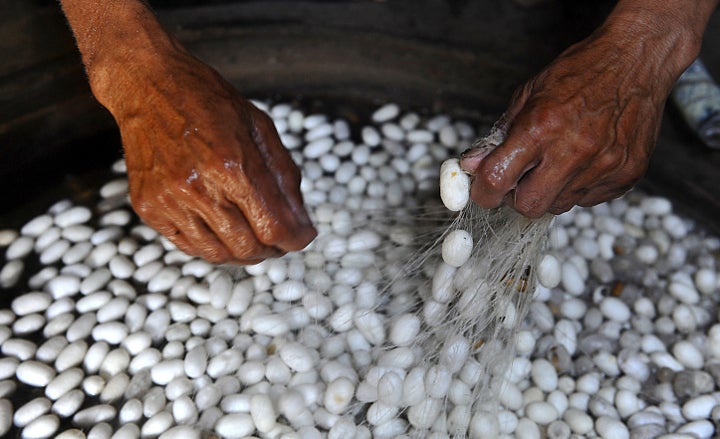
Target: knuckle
[(273, 236), (245, 246), (547, 120), (530, 206), (587, 146), (144, 207), (609, 161), (215, 255)]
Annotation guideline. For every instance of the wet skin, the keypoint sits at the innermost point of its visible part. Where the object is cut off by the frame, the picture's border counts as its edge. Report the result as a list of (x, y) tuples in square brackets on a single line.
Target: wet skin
[(582, 131)]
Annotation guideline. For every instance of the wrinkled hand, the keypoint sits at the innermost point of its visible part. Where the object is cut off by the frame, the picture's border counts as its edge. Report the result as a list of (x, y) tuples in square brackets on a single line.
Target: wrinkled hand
[(206, 167), (580, 132)]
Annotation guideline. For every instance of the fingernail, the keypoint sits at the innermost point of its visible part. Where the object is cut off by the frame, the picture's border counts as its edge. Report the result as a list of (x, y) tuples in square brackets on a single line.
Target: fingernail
[(471, 153)]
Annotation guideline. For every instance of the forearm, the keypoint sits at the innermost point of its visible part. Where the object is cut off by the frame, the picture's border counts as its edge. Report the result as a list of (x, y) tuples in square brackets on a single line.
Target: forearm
[(664, 35), (116, 39)]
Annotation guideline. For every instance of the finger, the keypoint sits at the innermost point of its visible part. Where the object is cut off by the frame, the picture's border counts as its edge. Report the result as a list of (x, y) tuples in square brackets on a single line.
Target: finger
[(564, 203), (172, 232), (601, 194), (273, 210), (277, 157), (534, 196), (501, 170), (471, 158), (193, 236), (227, 225), (235, 231), (181, 241), (549, 187)]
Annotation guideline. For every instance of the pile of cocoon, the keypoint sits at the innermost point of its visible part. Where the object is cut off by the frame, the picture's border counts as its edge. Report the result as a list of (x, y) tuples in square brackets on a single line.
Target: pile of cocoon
[(114, 333)]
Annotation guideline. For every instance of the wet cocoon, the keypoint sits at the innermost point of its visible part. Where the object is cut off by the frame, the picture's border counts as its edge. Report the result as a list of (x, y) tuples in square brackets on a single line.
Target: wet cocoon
[(454, 185)]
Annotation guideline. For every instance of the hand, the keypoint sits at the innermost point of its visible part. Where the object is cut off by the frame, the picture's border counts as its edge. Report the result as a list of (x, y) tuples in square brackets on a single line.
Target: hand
[(206, 167), (580, 132)]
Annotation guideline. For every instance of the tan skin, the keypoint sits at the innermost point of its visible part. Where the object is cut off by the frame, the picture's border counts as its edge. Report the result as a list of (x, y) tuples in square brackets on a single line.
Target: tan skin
[(581, 132), (207, 169)]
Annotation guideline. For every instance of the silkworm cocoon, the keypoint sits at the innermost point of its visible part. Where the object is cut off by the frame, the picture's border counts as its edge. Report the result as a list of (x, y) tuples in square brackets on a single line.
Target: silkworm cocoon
[(541, 412), (262, 412), (459, 420), (434, 312), (68, 404), (474, 300), (608, 427), (457, 247), (385, 113), (484, 425), (454, 185), (43, 426), (572, 279), (698, 407), (423, 415), (437, 381), (390, 389), (271, 324), (392, 428), (35, 373), (94, 415), (338, 395), (579, 421), (688, 355), (459, 393), (401, 357), (235, 425), (510, 317), (455, 352), (370, 325), (297, 357), (289, 290), (157, 424), (380, 413), (64, 382), (404, 329), (685, 293), (442, 282), (615, 309), (706, 280), (31, 410), (549, 271), (414, 387)]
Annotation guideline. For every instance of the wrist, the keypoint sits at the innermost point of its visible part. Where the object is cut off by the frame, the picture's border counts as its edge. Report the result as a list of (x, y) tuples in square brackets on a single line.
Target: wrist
[(120, 41), (661, 37)]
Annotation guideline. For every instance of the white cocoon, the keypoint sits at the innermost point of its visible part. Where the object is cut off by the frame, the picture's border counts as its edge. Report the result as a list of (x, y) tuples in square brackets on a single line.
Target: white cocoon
[(454, 185), (457, 247)]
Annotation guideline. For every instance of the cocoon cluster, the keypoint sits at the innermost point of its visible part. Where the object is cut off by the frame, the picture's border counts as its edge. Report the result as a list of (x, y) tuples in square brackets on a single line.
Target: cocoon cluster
[(369, 332)]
